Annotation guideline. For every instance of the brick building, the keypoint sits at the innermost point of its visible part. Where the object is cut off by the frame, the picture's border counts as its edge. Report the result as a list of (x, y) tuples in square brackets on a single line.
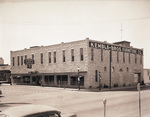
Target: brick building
[(61, 64), (146, 76), (5, 72)]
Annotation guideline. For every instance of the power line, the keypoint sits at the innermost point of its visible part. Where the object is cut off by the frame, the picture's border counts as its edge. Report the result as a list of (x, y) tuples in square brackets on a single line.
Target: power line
[(69, 22)]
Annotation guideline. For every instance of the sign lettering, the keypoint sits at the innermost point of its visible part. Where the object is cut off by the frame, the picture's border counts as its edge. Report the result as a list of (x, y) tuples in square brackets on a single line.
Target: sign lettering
[(114, 48)]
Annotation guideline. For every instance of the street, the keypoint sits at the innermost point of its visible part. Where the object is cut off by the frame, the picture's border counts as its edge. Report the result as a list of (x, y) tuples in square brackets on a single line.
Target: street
[(84, 103)]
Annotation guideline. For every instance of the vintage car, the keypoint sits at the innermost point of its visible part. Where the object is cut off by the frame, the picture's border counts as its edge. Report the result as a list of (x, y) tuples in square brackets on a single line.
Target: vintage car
[(30, 110)]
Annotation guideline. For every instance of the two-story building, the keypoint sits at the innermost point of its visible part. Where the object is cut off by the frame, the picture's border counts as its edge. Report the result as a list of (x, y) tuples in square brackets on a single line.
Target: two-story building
[(97, 63)]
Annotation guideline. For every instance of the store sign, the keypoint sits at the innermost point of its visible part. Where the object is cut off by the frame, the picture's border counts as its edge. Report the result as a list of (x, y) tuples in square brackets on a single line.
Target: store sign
[(115, 48), (29, 62)]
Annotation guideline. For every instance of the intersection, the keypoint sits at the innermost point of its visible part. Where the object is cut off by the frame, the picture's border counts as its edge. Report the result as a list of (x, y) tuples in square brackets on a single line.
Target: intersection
[(84, 103)]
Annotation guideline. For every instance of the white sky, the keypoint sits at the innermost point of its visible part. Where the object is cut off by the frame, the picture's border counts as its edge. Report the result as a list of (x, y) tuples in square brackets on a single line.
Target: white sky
[(25, 23)]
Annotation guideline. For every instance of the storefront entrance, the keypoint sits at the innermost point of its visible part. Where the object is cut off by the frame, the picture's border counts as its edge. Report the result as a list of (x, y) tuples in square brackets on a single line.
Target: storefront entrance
[(74, 80), (62, 80), (37, 80), (137, 77)]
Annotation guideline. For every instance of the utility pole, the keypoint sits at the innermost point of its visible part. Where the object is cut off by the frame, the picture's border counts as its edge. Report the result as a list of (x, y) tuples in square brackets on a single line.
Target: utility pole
[(121, 30), (110, 68)]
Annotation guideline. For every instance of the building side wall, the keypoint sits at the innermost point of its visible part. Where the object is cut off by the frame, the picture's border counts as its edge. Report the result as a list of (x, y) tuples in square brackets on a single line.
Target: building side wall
[(122, 73), (46, 67), (147, 76)]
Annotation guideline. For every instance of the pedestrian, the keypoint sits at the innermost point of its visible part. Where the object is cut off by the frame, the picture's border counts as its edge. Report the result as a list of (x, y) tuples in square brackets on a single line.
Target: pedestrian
[(78, 83)]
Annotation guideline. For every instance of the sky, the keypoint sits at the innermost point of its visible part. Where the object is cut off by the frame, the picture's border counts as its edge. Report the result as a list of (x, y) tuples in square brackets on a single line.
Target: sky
[(26, 23)]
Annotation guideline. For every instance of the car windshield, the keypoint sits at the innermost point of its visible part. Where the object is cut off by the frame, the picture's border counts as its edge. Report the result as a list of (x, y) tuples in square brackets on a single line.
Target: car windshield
[(46, 114)]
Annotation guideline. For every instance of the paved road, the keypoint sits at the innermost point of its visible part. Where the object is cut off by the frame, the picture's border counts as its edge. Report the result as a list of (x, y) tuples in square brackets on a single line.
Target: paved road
[(84, 103)]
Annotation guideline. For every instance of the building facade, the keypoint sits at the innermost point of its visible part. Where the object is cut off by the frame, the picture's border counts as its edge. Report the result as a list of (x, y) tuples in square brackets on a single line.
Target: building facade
[(96, 64), (5, 72), (146, 75)]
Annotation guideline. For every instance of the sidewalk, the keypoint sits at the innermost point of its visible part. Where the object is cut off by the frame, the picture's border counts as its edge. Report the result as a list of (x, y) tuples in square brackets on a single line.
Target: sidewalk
[(127, 88)]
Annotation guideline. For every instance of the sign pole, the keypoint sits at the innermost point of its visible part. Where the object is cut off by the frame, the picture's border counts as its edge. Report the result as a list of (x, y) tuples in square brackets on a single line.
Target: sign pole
[(104, 102), (138, 88)]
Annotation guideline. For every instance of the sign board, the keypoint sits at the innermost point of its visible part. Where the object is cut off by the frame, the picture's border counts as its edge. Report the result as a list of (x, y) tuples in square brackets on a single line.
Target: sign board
[(99, 45), (29, 62)]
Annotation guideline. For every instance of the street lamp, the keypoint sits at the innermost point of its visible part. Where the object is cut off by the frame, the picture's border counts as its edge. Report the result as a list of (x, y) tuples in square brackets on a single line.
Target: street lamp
[(78, 79)]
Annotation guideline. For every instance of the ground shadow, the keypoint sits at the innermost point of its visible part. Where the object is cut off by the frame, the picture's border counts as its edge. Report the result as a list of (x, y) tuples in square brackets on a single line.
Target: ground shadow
[(9, 104)]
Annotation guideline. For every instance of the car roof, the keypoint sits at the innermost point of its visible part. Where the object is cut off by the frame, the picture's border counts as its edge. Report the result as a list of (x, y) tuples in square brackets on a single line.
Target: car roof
[(24, 110)]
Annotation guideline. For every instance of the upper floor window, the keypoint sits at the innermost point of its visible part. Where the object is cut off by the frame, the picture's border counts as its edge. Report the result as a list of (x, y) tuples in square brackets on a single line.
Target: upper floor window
[(21, 60), (96, 76), (141, 59), (105, 69), (64, 57), (127, 69), (124, 57), (13, 61), (41, 58), (49, 56), (25, 57), (101, 54), (81, 54), (118, 56), (135, 58), (72, 54), (33, 58), (54, 57), (92, 54), (18, 60), (113, 69), (129, 58)]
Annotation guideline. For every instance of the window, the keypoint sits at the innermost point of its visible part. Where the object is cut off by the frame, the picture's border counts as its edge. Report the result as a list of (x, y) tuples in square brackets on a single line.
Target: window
[(64, 56), (33, 58), (129, 58), (105, 69), (135, 58), (25, 56), (41, 58), (124, 57), (111, 58), (127, 69), (118, 56), (92, 54), (21, 60), (49, 56), (72, 54), (13, 61), (141, 59), (18, 61), (95, 75), (54, 57), (121, 70), (81, 54), (101, 54), (113, 69)]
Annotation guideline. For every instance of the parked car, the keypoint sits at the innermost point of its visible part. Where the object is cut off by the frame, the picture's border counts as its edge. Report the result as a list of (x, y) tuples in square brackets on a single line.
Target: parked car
[(30, 110)]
